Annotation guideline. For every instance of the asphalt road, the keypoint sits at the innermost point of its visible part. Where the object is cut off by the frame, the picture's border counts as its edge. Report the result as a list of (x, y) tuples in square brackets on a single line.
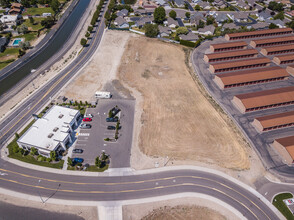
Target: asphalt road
[(115, 188)]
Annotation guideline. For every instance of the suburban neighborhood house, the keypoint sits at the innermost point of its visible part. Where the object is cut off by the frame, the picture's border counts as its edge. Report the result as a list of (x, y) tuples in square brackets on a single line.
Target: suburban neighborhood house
[(52, 132)]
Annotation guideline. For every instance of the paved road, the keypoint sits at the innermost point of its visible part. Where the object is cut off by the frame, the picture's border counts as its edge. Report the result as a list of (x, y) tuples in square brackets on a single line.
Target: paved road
[(115, 188)]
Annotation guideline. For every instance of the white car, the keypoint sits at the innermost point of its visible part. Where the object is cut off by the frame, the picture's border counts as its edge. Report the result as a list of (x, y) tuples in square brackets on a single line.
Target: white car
[(88, 116)]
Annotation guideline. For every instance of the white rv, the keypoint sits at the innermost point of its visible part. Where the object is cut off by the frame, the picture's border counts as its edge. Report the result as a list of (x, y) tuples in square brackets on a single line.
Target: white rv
[(102, 95)]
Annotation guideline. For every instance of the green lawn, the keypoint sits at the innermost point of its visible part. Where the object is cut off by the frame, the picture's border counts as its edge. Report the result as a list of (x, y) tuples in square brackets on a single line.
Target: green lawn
[(28, 37), (4, 64), (91, 168), (37, 24), (30, 158), (281, 206), (9, 51), (40, 11)]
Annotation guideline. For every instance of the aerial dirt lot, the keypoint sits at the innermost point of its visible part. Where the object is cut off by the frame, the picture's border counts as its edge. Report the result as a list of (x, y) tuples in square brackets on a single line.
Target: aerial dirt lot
[(177, 120)]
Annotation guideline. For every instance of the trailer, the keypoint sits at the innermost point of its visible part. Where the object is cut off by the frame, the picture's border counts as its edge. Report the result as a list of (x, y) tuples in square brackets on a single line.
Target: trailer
[(102, 95)]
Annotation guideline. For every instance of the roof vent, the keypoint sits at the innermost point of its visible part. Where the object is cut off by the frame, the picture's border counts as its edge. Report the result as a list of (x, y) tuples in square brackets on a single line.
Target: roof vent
[(60, 116), (55, 129), (50, 135)]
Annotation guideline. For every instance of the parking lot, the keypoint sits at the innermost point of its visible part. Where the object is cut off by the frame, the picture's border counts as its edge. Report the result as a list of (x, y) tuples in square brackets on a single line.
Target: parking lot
[(92, 140)]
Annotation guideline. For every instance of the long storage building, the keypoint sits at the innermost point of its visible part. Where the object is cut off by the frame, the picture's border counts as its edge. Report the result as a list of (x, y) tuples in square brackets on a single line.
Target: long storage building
[(228, 46), (249, 77), (265, 99), (290, 69), (285, 147), (259, 33), (277, 49), (230, 55), (239, 64), (284, 59), (272, 41), (272, 122)]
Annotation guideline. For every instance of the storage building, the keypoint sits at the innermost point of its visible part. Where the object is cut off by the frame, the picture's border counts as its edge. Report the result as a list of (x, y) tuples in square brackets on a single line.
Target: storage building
[(249, 77), (284, 59), (272, 41), (239, 64), (265, 99), (290, 69), (277, 49), (285, 147), (228, 46), (260, 33), (230, 55), (272, 122)]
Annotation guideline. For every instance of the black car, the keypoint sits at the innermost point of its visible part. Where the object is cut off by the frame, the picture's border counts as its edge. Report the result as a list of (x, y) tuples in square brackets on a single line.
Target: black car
[(110, 127), (111, 119), (79, 151)]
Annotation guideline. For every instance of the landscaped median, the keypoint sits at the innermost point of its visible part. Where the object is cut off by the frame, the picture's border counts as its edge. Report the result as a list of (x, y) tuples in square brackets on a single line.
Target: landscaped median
[(18, 153), (278, 202)]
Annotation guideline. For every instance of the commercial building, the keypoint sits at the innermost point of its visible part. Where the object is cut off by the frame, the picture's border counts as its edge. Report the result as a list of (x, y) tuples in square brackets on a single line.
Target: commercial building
[(283, 59), (277, 49), (272, 122), (228, 46), (239, 64), (238, 54), (285, 147), (272, 41), (260, 33), (265, 99), (52, 132), (249, 77)]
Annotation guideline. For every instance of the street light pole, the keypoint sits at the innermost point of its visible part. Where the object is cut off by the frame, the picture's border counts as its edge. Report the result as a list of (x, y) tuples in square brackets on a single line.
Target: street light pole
[(39, 192)]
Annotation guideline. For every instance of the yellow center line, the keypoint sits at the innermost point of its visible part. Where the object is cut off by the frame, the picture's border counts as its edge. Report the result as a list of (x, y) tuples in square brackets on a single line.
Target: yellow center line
[(57, 82), (136, 190)]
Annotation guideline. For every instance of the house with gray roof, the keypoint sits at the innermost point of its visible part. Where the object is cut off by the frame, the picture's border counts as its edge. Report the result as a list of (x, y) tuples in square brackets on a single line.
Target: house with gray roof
[(164, 31), (242, 4), (161, 2), (194, 20), (264, 15), (230, 26), (121, 22), (220, 18), (144, 20), (179, 3), (189, 37), (278, 22), (260, 25), (171, 23), (122, 13), (204, 5), (241, 17), (208, 30)]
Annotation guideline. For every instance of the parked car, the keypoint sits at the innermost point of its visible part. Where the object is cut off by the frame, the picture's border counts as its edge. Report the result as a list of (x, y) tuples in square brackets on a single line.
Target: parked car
[(88, 116), (77, 160), (110, 127), (85, 126), (79, 151), (111, 119), (87, 119)]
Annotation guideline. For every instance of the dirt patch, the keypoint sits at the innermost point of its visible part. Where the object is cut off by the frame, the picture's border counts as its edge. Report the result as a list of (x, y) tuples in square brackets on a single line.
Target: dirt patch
[(85, 212), (177, 121), (101, 69)]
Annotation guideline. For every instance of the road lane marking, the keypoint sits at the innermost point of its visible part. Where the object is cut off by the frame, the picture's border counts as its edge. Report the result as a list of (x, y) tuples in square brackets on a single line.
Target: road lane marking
[(135, 190)]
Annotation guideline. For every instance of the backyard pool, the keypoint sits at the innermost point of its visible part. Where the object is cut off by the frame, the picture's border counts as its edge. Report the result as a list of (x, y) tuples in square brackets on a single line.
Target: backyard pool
[(16, 42)]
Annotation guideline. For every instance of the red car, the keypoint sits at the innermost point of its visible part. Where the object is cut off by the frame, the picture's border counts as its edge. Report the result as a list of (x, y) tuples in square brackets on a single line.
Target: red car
[(87, 119)]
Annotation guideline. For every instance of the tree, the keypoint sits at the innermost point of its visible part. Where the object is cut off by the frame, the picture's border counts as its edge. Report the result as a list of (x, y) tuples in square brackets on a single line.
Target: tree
[(292, 7), (173, 14), (151, 30), (188, 14), (48, 22), (210, 20), (90, 29), (182, 30), (55, 4), (98, 162), (280, 16), (53, 155), (15, 149), (69, 161), (21, 53), (23, 29), (104, 157), (159, 15), (197, 7), (272, 26), (31, 20), (83, 42), (34, 151), (201, 24), (16, 135), (186, 6), (5, 3), (25, 45), (87, 35)]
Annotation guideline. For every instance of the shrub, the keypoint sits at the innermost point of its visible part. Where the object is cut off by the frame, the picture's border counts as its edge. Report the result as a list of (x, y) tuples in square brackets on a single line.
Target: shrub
[(83, 42), (90, 29), (48, 160), (69, 161), (187, 43), (151, 30), (15, 149)]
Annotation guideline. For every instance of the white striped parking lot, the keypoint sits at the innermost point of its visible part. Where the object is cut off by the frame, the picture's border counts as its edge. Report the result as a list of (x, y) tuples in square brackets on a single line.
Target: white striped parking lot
[(84, 134)]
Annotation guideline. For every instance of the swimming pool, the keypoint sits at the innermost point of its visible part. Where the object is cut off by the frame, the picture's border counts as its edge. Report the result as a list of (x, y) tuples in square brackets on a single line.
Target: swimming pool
[(17, 41)]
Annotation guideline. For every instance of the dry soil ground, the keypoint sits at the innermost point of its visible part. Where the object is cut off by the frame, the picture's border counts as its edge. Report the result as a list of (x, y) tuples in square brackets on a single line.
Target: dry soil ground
[(177, 121)]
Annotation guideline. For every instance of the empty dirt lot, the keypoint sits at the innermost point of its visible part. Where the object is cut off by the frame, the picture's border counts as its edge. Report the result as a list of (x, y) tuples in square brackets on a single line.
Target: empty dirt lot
[(177, 120)]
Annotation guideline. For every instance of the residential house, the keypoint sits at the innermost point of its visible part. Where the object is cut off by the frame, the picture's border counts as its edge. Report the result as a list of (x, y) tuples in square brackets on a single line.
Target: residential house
[(241, 17), (144, 20), (195, 19), (264, 15), (242, 4), (251, 3), (204, 5), (278, 22), (3, 43), (208, 30), (189, 37), (171, 23), (230, 26), (290, 13), (220, 4), (220, 18), (179, 3), (161, 2), (120, 22), (122, 13), (10, 19), (164, 31), (260, 25), (15, 8)]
